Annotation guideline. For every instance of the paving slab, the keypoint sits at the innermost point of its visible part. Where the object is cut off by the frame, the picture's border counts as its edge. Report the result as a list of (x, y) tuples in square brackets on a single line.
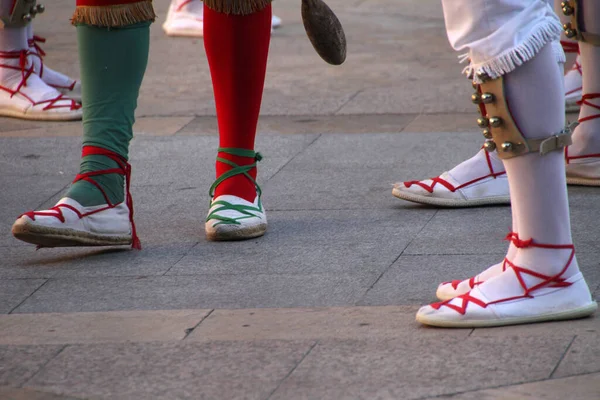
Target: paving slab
[(584, 387), (585, 326), (414, 279), (14, 291), (315, 323), (464, 231), (223, 370), (420, 367), (583, 356), (10, 393), (364, 176), (20, 363), (154, 260), (316, 124), (197, 291), (133, 326), (443, 122), (302, 242)]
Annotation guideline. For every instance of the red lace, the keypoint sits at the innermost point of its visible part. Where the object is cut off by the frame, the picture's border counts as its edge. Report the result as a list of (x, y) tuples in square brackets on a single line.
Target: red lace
[(26, 72), (547, 281), (570, 47), (183, 4), (453, 188), (585, 101), (40, 53), (123, 169)]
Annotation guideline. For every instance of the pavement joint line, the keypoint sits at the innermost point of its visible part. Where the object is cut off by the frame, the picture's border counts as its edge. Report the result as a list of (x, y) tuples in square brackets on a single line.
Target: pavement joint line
[(293, 369), (189, 331), (44, 365), (293, 158), (180, 258), (563, 355), (358, 302), (184, 126), (352, 97), (509, 385), (30, 294)]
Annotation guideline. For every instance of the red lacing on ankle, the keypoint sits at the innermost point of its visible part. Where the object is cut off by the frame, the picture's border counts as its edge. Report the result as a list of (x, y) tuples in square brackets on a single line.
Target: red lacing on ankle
[(585, 101), (26, 72), (123, 169), (570, 47), (453, 188), (547, 281), (40, 53), (185, 3), (33, 42)]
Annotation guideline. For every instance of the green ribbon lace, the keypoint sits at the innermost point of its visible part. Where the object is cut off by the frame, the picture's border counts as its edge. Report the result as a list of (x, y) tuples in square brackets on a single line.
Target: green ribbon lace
[(246, 211)]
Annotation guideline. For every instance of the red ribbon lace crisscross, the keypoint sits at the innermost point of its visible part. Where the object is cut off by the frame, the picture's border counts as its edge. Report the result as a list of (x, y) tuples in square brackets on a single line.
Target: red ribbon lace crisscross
[(40, 54), (520, 272), (26, 72), (585, 100), (452, 188), (123, 169)]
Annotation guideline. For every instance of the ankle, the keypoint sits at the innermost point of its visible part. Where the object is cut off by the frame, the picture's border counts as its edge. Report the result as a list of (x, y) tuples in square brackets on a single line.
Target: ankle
[(549, 260), (240, 184), (107, 188)]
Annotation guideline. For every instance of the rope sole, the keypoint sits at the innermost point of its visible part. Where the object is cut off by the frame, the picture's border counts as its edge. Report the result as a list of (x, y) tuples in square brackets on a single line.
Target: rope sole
[(234, 232), (54, 237), (575, 313), (41, 115)]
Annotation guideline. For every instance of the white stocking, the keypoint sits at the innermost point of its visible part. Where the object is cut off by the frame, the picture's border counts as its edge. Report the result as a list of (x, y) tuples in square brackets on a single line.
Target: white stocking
[(537, 182), (586, 138)]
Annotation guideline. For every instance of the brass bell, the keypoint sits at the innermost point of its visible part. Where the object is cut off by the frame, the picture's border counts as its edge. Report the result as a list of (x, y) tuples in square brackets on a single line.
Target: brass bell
[(487, 98), (566, 8), (475, 85), (507, 146), (476, 98), (489, 146), (483, 76), (40, 8), (495, 122), (483, 122), (27, 18), (569, 32), (487, 133)]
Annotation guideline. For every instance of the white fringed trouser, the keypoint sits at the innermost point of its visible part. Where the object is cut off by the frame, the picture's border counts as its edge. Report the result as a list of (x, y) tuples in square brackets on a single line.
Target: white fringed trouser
[(500, 35)]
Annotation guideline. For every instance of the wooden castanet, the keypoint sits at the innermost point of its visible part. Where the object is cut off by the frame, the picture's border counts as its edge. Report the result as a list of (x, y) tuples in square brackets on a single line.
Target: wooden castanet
[(324, 31)]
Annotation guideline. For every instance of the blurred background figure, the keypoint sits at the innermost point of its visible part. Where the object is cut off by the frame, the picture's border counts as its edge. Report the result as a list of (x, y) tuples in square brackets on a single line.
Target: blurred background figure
[(186, 18), (30, 89)]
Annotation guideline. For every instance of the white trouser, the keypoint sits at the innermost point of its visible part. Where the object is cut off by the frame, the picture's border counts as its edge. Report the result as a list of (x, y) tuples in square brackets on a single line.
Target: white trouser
[(500, 35)]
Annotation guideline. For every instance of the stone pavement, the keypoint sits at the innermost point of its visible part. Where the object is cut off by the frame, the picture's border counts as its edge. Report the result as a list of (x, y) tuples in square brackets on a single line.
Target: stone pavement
[(323, 306)]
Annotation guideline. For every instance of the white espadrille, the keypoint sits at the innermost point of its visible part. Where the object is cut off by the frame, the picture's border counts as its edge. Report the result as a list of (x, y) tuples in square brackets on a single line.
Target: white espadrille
[(69, 223), (233, 218)]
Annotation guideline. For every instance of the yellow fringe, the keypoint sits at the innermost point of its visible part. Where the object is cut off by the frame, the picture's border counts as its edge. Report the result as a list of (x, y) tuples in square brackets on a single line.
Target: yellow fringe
[(237, 7), (114, 15)]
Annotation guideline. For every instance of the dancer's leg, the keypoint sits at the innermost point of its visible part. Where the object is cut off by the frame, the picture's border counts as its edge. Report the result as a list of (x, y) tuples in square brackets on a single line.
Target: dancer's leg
[(97, 209), (236, 39), (583, 156), (23, 94), (542, 280)]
